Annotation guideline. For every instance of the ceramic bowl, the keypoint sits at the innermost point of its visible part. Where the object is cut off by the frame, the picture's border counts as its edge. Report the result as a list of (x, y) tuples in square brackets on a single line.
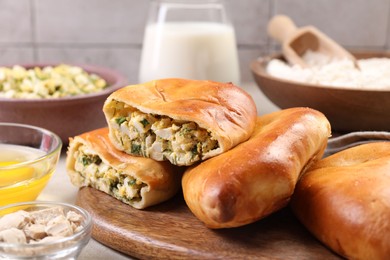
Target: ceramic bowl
[(28, 158), (66, 247), (66, 116), (347, 109)]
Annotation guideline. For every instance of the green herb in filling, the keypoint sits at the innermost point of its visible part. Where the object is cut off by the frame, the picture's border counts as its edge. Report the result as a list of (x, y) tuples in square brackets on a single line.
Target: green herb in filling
[(194, 150), (86, 160), (120, 120), (113, 186), (144, 122), (131, 182), (135, 148)]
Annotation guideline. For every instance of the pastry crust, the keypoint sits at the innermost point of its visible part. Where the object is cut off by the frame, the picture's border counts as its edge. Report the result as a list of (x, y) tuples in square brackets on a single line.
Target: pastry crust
[(140, 182), (258, 176), (344, 200), (222, 110)]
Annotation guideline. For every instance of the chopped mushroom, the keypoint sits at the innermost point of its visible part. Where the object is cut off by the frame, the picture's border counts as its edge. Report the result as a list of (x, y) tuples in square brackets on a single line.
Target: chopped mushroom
[(24, 227), (17, 219), (13, 235)]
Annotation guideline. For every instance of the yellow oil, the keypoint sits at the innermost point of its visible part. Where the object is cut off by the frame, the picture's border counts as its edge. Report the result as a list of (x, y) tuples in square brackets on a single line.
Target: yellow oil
[(22, 183)]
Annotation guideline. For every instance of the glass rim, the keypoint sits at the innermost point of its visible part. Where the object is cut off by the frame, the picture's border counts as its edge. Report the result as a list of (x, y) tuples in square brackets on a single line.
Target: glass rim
[(193, 4), (190, 1), (159, 9), (49, 153)]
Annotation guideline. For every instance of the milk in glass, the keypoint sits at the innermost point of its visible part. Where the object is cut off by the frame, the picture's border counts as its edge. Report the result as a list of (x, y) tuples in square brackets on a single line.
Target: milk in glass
[(202, 50)]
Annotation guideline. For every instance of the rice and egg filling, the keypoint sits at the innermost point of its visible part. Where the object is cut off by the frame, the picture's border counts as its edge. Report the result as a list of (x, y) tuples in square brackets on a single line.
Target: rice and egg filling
[(95, 173), (160, 137)]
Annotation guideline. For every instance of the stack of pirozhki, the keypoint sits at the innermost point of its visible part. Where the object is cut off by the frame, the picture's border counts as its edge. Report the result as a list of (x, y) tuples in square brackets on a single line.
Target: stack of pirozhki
[(155, 130), (233, 166)]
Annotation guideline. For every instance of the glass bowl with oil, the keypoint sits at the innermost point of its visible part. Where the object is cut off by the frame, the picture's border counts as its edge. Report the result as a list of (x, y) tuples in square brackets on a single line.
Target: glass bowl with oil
[(28, 158)]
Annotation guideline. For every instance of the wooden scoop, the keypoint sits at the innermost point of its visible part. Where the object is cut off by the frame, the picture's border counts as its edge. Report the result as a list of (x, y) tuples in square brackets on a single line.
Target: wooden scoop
[(296, 41)]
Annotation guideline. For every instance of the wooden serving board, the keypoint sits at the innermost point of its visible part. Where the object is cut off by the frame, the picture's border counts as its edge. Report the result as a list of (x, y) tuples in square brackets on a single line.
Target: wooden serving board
[(170, 231)]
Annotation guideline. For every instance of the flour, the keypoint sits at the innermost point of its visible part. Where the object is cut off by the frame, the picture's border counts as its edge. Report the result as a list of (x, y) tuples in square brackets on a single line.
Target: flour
[(374, 73)]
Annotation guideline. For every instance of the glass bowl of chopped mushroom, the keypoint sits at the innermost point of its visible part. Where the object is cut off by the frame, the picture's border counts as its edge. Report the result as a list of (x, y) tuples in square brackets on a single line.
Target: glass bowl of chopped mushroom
[(64, 98), (43, 230)]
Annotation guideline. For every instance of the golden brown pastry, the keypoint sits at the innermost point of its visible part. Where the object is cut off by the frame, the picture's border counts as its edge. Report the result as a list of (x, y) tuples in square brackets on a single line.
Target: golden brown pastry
[(183, 121), (137, 181), (257, 177), (344, 200)]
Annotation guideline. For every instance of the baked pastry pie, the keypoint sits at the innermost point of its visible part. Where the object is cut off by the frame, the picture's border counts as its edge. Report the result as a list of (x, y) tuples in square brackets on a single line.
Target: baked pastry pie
[(183, 121), (257, 177), (140, 182), (344, 200)]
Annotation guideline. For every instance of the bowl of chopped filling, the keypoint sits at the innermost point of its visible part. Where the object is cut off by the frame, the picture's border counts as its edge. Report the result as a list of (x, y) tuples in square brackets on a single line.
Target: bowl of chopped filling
[(43, 230), (352, 98), (64, 98)]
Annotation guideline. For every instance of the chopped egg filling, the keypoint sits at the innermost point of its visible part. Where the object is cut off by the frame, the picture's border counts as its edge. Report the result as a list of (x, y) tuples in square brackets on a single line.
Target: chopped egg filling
[(160, 137), (97, 174)]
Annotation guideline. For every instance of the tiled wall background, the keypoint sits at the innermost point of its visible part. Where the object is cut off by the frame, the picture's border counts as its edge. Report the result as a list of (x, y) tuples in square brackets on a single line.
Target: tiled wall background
[(110, 32)]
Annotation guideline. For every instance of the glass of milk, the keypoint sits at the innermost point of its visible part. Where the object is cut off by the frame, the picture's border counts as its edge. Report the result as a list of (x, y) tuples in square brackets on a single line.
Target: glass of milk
[(190, 39)]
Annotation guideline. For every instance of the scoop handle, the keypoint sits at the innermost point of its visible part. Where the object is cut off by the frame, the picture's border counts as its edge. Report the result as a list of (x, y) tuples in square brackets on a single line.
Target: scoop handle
[(281, 28)]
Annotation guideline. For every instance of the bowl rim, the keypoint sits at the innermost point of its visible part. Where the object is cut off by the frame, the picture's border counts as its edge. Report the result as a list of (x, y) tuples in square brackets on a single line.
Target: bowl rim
[(258, 67), (55, 150), (120, 81), (85, 230)]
